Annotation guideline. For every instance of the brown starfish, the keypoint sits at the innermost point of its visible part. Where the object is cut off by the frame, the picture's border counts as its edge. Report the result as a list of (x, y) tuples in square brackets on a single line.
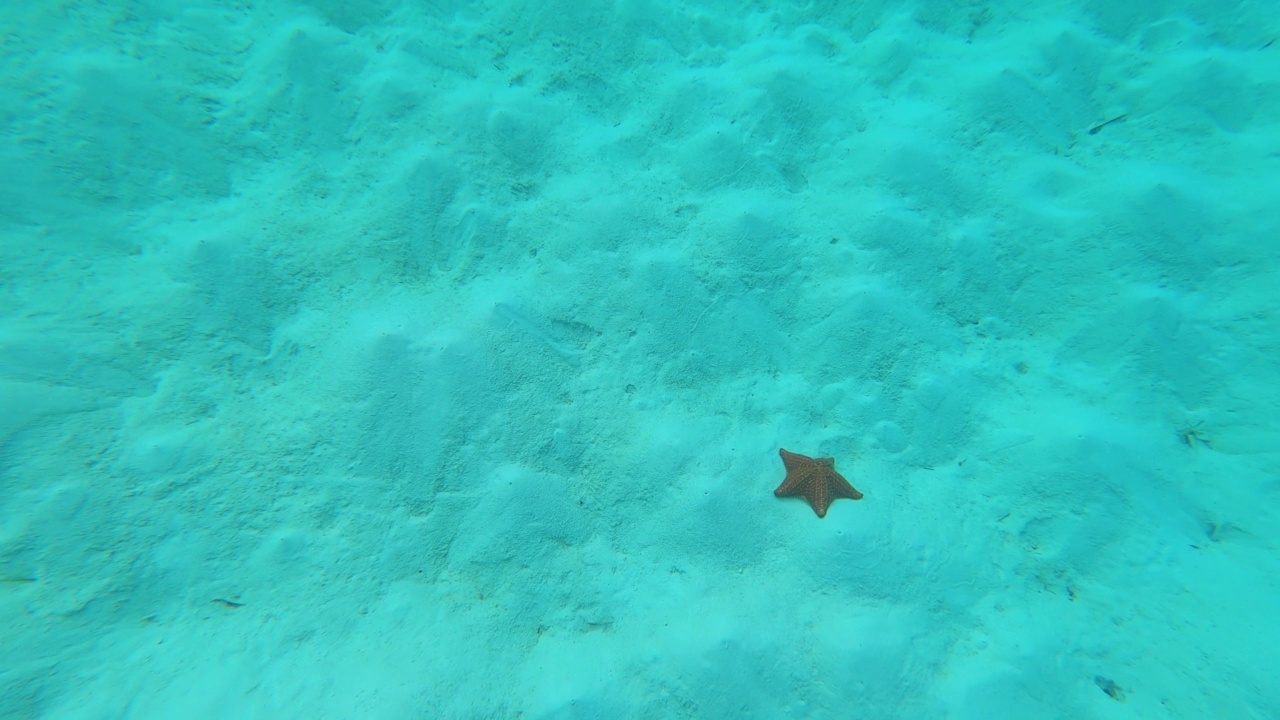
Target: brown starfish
[(816, 480)]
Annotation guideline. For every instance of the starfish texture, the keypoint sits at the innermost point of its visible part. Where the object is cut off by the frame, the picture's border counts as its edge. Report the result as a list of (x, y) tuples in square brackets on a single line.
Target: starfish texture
[(815, 480)]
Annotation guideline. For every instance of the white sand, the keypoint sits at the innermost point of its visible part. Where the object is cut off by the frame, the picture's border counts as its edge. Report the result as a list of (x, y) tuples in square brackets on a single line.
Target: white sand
[(456, 348)]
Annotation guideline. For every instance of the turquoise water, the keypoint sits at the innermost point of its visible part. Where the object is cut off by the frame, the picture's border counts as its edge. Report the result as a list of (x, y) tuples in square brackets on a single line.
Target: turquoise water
[(433, 360)]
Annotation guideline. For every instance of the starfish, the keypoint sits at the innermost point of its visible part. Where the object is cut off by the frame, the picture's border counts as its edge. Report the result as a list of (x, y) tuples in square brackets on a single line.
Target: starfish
[(816, 480)]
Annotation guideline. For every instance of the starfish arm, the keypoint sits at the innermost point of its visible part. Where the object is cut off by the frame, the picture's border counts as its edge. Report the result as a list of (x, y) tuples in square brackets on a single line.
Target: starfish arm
[(821, 498), (843, 489), (790, 487), (791, 461)]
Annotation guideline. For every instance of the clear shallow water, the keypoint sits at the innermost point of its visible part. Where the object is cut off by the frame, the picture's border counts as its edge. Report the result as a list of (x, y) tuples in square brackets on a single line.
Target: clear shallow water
[(392, 361)]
